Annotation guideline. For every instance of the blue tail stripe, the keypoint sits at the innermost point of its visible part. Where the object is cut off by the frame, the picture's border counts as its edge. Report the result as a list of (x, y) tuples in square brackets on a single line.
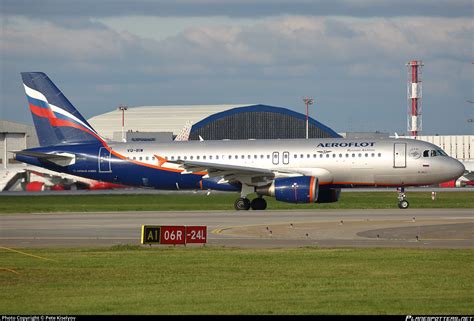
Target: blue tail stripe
[(40, 81), (57, 129), (37, 102)]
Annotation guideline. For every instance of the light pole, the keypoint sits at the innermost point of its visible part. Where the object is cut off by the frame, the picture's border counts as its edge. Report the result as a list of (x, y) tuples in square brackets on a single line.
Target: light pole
[(307, 101), (123, 109)]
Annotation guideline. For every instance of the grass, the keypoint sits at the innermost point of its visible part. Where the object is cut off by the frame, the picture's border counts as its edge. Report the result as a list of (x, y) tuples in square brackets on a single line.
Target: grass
[(139, 280), (184, 202)]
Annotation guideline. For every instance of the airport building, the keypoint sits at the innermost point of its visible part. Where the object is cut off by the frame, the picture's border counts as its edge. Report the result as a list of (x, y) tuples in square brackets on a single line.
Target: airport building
[(211, 122), (14, 136)]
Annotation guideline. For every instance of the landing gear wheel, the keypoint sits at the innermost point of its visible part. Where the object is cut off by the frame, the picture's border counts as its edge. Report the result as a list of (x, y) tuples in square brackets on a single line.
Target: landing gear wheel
[(258, 204), (242, 204), (403, 204)]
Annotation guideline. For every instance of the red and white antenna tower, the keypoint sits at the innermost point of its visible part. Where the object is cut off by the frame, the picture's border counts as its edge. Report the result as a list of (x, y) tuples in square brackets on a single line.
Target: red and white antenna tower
[(414, 124)]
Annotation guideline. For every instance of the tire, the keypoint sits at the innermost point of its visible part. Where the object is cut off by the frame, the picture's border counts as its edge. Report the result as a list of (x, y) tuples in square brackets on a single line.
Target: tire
[(258, 204), (403, 204), (242, 204)]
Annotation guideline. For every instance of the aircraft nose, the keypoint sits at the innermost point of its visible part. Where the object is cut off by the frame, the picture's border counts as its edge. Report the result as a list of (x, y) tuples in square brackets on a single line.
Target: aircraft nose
[(456, 168)]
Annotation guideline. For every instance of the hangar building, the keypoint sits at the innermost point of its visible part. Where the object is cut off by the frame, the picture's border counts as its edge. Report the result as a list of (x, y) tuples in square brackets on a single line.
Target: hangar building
[(212, 122)]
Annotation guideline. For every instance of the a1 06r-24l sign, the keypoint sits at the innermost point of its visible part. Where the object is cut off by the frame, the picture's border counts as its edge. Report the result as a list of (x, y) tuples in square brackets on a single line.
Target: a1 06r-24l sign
[(165, 234)]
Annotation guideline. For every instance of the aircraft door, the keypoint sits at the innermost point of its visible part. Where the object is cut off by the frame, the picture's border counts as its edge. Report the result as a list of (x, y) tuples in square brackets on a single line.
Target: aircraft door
[(286, 158), (399, 155), (104, 160), (276, 158)]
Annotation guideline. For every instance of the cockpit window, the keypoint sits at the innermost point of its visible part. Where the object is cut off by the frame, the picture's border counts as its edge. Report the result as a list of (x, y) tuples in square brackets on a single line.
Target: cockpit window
[(434, 153)]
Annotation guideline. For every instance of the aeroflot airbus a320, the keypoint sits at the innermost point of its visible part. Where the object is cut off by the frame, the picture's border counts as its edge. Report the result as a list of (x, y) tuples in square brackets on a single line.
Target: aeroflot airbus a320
[(293, 170)]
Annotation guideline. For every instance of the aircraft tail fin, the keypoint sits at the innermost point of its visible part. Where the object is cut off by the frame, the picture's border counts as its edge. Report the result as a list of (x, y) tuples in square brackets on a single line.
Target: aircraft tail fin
[(55, 118)]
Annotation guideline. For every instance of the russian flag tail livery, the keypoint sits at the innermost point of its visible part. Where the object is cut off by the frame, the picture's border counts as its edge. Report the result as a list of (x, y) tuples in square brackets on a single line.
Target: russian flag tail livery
[(56, 120)]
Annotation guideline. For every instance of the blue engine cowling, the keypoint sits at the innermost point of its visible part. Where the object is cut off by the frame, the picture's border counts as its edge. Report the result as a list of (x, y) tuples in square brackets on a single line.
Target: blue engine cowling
[(300, 189)]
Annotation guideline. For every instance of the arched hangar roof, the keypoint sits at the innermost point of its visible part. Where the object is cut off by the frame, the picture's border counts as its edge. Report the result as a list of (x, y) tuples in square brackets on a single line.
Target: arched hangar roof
[(228, 121), (259, 122)]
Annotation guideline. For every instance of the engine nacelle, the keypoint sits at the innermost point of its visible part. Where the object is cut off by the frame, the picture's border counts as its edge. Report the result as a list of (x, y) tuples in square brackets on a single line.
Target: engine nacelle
[(300, 189), (329, 195)]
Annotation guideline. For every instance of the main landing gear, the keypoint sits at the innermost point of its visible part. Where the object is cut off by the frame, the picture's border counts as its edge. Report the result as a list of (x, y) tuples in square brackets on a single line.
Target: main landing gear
[(402, 202), (244, 204)]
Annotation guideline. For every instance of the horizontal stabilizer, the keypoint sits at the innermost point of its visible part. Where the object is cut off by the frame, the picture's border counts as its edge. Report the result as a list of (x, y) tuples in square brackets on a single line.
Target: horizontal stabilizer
[(61, 159)]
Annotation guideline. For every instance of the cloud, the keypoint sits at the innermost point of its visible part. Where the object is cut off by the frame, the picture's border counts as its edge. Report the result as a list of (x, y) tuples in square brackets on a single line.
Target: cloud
[(354, 65), (52, 9)]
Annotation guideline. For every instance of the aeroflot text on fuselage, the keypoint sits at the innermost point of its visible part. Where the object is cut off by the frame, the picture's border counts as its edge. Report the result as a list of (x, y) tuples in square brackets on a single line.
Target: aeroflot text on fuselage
[(347, 144)]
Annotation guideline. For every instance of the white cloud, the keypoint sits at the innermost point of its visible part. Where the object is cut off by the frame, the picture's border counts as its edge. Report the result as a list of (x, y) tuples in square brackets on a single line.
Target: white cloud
[(344, 60)]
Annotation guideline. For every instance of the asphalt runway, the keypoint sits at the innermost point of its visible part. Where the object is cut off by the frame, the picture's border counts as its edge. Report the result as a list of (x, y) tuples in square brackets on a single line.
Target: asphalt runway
[(422, 228)]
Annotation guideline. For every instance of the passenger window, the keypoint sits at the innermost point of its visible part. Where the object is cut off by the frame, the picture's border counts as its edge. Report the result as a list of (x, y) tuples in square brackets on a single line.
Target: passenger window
[(296, 156), (380, 154), (314, 155), (140, 158), (333, 155), (327, 155), (340, 155), (217, 156), (268, 156)]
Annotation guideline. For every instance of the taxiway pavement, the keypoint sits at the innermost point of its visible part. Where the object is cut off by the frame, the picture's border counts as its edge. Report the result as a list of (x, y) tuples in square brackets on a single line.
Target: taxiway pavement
[(440, 228)]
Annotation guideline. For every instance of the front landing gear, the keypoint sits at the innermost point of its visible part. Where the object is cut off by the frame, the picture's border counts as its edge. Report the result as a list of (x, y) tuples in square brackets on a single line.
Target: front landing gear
[(402, 202)]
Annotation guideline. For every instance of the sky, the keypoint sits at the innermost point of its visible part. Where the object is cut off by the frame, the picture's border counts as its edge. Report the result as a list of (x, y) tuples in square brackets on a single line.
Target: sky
[(349, 55)]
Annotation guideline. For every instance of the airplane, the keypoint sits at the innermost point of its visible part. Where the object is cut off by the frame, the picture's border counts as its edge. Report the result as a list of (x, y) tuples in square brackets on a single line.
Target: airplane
[(291, 170)]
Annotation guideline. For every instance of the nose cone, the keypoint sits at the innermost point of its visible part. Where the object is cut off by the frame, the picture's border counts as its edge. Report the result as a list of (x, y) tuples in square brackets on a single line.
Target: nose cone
[(456, 168)]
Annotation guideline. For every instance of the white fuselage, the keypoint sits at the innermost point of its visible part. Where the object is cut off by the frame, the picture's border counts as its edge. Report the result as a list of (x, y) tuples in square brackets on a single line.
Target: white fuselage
[(397, 162)]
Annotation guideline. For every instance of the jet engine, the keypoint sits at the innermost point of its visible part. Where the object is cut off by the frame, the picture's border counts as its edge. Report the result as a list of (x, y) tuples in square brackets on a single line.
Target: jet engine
[(300, 189)]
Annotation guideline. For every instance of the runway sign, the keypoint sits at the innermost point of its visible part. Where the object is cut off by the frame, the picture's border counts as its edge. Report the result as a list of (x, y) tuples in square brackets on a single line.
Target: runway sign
[(196, 234), (165, 234), (173, 235), (151, 234)]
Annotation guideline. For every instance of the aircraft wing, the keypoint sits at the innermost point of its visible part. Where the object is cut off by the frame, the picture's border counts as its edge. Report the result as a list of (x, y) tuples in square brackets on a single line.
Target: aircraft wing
[(61, 159), (243, 174)]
